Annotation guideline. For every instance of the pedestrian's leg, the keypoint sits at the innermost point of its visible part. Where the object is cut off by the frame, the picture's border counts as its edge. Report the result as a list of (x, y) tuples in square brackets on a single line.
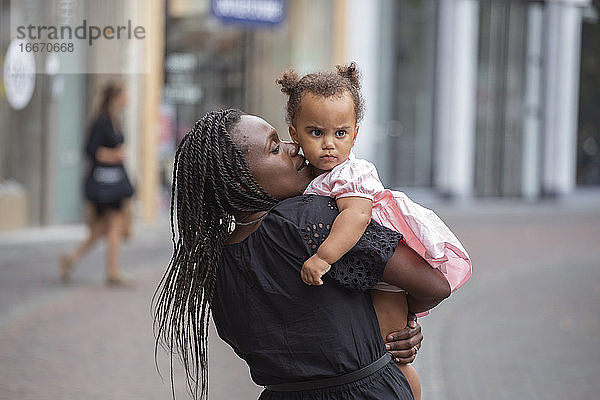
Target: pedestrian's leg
[(96, 229), (114, 236)]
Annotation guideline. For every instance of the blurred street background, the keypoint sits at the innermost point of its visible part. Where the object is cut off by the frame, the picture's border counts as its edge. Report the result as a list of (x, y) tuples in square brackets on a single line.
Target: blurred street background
[(487, 111)]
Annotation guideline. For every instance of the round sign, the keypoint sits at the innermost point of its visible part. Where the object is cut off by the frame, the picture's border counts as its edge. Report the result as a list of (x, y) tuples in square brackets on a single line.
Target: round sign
[(19, 75)]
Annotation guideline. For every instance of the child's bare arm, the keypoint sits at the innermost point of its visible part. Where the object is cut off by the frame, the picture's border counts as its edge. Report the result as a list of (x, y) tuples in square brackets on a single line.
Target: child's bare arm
[(348, 227)]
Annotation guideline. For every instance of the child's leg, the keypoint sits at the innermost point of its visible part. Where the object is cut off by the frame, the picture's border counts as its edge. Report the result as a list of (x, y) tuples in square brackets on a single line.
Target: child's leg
[(392, 313), (413, 379)]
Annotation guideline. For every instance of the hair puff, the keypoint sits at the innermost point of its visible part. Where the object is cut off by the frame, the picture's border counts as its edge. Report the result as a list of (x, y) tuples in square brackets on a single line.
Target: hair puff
[(288, 81), (350, 72), (346, 78)]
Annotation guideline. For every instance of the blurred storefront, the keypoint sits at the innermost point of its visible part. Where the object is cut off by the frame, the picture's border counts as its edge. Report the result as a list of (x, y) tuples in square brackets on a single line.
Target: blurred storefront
[(42, 134), (465, 98), (588, 139), (233, 62), (223, 54), (480, 98), (40, 137)]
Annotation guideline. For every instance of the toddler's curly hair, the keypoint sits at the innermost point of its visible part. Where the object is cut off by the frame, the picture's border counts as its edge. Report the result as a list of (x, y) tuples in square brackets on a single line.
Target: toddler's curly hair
[(325, 83)]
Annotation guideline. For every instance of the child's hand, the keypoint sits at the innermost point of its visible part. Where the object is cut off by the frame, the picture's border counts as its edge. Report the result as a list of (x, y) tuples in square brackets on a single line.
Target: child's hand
[(313, 269)]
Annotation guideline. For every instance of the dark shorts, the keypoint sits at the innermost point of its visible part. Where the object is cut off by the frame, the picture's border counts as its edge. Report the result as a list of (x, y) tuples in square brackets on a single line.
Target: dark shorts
[(101, 208)]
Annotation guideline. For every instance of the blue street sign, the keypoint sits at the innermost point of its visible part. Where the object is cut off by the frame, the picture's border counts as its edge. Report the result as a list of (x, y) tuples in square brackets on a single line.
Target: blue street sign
[(250, 12)]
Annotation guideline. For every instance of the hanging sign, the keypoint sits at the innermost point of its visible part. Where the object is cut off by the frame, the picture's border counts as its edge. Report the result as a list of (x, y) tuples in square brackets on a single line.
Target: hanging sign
[(250, 12)]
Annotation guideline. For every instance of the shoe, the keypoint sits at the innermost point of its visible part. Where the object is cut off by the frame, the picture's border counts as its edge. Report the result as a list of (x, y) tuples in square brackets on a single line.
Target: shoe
[(120, 280), (65, 266)]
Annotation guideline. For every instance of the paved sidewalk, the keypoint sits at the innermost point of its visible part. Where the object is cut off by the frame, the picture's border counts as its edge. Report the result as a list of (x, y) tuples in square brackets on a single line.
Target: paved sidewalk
[(526, 326), (85, 340)]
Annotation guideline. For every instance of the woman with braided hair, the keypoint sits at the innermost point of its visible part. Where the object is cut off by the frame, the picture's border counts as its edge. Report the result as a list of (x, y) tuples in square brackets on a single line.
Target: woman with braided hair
[(241, 232)]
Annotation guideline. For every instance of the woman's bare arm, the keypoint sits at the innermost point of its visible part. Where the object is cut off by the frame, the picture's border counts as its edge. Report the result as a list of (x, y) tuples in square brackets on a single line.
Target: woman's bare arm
[(426, 286), (109, 155)]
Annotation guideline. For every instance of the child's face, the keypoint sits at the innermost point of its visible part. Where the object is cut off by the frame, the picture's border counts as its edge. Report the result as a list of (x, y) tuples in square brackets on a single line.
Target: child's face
[(326, 129)]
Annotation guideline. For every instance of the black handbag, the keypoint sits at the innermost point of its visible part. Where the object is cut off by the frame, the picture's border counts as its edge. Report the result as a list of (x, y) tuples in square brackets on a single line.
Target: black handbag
[(108, 184)]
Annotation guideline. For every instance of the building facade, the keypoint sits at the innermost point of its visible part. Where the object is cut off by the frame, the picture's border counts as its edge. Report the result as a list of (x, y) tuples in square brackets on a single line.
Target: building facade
[(464, 98), (42, 136), (474, 98)]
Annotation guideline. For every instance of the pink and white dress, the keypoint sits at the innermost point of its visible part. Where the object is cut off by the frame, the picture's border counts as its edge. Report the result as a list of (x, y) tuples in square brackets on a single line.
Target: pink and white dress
[(422, 229)]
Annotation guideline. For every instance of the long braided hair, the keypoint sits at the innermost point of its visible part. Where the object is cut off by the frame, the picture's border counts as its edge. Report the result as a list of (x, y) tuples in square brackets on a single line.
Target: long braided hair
[(211, 182)]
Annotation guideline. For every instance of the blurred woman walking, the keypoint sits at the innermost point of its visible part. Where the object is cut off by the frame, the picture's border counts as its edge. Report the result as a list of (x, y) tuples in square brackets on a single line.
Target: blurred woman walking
[(107, 188)]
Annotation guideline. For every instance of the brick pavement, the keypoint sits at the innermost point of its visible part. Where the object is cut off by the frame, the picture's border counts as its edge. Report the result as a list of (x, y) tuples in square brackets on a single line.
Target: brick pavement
[(85, 340), (527, 325)]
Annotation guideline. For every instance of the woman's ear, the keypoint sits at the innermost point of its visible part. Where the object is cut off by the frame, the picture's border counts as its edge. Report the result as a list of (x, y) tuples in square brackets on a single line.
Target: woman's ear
[(293, 134)]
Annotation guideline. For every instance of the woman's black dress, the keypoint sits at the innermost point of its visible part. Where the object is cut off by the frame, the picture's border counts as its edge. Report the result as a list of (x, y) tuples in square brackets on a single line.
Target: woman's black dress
[(288, 331), (106, 185)]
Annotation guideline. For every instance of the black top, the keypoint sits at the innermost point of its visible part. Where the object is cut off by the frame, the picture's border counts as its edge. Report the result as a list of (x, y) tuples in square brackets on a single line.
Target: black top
[(288, 331), (102, 134)]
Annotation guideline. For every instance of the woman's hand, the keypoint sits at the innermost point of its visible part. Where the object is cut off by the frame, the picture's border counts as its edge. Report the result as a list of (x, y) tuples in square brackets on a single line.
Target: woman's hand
[(405, 344)]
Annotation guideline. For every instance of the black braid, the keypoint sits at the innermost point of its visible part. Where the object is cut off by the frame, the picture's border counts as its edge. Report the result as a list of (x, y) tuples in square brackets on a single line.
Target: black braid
[(211, 183)]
